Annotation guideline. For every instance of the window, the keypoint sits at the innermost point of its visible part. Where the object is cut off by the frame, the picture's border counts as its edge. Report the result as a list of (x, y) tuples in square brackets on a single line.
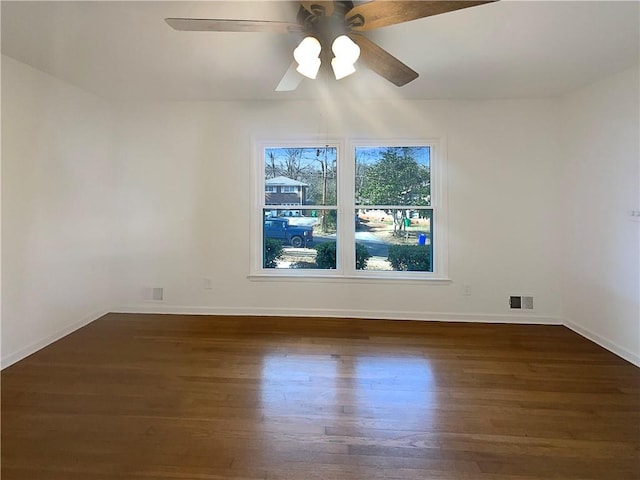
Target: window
[(370, 210), (394, 217), (270, 189)]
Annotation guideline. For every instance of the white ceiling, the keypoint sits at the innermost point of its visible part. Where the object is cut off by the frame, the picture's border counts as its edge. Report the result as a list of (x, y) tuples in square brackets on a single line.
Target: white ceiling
[(508, 49)]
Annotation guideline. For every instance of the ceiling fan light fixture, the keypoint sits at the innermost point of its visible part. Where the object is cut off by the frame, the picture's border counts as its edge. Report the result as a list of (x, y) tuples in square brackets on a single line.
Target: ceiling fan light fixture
[(341, 68), (307, 54), (310, 68), (345, 49), (346, 54), (326, 19)]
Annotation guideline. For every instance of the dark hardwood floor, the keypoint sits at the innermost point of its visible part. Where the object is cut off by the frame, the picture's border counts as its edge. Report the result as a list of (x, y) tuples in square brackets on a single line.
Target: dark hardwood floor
[(196, 397)]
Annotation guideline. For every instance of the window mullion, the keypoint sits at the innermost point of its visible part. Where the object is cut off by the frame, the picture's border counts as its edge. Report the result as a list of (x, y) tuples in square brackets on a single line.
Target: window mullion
[(346, 208)]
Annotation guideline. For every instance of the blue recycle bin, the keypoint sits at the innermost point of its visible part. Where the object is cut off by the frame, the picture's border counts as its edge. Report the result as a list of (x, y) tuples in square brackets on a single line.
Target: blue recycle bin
[(422, 239)]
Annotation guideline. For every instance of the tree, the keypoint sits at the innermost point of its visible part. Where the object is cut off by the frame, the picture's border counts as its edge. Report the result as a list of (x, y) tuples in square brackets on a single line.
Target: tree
[(270, 166), (360, 173), (327, 173), (396, 179), (293, 165)]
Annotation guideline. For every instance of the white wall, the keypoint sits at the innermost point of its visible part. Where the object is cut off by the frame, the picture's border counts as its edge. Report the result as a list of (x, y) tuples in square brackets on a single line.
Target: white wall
[(57, 215), (184, 187), (101, 200), (601, 152)]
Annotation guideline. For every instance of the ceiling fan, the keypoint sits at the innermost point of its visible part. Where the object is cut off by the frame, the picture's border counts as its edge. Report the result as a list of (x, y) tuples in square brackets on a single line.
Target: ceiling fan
[(336, 26)]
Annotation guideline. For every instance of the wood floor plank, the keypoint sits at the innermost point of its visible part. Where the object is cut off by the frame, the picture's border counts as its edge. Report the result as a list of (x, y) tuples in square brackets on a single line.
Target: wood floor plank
[(140, 397)]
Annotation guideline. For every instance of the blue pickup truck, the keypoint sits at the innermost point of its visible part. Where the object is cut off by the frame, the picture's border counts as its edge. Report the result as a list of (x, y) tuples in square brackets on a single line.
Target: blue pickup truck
[(295, 235)]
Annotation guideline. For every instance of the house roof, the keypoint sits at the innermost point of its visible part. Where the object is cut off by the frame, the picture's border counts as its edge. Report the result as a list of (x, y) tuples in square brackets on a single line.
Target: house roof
[(284, 181)]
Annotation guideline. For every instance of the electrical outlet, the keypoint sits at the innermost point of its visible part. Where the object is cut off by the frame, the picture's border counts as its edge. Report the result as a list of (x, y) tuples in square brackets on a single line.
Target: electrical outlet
[(208, 284), (466, 290)]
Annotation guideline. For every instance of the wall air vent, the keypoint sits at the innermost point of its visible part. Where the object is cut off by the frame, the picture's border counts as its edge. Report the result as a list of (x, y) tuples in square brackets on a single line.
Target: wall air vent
[(521, 302), (156, 293)]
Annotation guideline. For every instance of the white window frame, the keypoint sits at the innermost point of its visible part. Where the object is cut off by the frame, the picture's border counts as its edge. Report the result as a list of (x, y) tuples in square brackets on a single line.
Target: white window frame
[(346, 207), (271, 189)]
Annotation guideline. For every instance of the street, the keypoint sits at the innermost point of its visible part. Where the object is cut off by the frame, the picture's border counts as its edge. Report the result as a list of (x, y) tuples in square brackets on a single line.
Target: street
[(375, 246)]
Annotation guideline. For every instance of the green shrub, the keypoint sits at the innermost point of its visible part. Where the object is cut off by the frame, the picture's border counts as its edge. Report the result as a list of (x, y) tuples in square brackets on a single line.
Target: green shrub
[(272, 252), (362, 255), (326, 257), (415, 258)]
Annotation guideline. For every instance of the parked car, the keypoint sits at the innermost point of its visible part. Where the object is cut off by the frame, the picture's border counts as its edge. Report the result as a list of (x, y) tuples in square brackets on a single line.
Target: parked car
[(290, 213), (295, 235)]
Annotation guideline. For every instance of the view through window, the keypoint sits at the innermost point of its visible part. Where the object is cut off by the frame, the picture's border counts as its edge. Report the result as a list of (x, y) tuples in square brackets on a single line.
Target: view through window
[(393, 207), (370, 210), (300, 208)]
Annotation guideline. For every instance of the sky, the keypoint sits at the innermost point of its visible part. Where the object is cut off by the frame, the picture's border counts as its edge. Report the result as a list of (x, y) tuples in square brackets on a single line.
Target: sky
[(366, 154), (371, 154)]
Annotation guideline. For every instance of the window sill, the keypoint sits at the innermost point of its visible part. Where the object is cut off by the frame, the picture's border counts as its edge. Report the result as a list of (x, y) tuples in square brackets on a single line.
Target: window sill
[(371, 278)]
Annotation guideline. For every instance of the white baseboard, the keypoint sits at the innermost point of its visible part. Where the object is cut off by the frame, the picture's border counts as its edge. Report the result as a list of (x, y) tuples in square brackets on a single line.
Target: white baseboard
[(338, 313), (613, 347), (14, 357), (604, 343)]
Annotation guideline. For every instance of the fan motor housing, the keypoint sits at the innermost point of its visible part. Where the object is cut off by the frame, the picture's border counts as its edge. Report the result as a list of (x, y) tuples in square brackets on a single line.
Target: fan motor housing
[(325, 28)]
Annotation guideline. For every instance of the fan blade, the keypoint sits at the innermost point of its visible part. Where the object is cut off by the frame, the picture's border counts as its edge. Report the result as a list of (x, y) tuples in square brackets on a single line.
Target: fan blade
[(382, 62), (368, 16), (222, 25), (318, 6), (290, 80)]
